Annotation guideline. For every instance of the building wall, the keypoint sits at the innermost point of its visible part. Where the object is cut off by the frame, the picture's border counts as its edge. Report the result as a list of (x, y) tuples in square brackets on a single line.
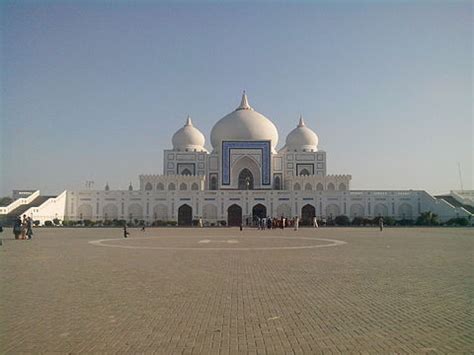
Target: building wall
[(213, 205)]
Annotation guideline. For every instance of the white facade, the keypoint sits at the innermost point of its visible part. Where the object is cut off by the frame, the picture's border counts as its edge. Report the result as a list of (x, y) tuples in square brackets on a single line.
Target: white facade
[(244, 176)]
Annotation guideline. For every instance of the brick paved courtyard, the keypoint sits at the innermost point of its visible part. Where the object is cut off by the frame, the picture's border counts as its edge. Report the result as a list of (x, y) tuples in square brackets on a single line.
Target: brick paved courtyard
[(221, 291)]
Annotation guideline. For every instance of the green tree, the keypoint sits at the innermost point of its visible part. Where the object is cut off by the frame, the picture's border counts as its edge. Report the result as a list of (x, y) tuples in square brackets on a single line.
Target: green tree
[(427, 219)]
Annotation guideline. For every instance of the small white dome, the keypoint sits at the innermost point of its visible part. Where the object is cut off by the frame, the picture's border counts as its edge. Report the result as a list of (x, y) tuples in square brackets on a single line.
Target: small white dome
[(244, 124), (188, 138), (301, 138)]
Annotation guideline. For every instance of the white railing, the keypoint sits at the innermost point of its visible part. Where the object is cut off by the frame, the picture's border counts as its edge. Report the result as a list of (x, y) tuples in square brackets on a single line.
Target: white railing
[(19, 202), (54, 207)]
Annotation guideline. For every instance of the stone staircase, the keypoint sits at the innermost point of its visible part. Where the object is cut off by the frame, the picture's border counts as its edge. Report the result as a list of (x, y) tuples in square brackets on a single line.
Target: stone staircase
[(12, 215)]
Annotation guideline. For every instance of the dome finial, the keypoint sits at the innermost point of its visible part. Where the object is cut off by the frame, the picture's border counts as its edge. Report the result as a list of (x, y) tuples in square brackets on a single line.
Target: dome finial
[(244, 103), (189, 122), (301, 123)]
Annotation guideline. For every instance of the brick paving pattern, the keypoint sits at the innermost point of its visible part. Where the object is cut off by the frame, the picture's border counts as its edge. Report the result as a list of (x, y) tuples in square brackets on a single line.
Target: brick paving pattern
[(400, 291)]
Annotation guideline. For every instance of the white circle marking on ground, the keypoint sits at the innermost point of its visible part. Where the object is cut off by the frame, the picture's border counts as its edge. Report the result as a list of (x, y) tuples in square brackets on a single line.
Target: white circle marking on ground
[(331, 243)]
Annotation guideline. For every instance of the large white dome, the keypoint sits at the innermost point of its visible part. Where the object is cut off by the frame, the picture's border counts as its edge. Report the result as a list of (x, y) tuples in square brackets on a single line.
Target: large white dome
[(188, 138), (244, 124), (302, 138)]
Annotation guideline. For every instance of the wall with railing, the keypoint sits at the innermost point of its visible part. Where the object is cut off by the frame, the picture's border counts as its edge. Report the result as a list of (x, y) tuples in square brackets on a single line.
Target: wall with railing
[(54, 207), (19, 202)]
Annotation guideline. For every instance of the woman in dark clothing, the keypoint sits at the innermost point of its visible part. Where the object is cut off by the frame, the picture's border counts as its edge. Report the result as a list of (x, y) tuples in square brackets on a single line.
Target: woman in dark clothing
[(17, 228)]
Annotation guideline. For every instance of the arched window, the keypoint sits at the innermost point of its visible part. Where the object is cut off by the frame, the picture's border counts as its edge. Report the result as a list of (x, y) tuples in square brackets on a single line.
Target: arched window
[(194, 187), (186, 172), (319, 187), (183, 187), (148, 187), (308, 187), (213, 183), (342, 187), (171, 187), (331, 187), (277, 183), (304, 172), (245, 180), (297, 187), (160, 186)]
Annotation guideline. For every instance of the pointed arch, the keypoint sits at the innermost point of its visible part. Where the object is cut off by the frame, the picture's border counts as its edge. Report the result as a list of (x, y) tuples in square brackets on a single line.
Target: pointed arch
[(234, 215), (160, 186), (405, 211), (304, 172), (331, 187), (171, 186), (183, 187), (297, 187), (209, 212), (308, 187), (148, 186), (333, 210), (110, 211), (160, 212), (356, 210), (185, 215), (246, 181), (319, 187), (194, 186), (342, 187), (380, 210)]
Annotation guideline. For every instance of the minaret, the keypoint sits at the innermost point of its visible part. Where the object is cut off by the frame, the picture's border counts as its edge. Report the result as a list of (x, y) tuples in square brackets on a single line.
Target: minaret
[(130, 187), (107, 188)]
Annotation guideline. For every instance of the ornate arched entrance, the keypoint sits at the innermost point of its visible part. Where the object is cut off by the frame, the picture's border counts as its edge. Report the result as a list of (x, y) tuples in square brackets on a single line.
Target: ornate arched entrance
[(185, 215), (259, 211), (308, 212), (234, 215), (246, 180)]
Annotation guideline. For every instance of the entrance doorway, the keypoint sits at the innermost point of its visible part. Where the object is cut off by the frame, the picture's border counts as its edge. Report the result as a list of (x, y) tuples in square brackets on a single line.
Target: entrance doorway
[(245, 180), (259, 211), (308, 212), (234, 215), (185, 215)]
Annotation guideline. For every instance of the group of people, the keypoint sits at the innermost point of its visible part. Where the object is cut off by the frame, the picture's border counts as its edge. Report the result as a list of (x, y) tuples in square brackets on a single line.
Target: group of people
[(281, 223), (23, 228)]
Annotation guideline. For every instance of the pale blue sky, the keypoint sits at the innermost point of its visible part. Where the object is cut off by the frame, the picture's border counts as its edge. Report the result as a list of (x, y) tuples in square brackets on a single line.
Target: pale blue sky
[(95, 90)]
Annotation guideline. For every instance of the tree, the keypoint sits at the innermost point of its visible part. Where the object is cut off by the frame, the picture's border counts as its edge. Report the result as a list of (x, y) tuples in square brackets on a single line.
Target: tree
[(427, 219)]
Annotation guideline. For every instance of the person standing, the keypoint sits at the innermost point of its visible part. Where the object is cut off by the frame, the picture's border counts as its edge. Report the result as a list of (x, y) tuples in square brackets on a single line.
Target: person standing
[(381, 223), (297, 223), (125, 232), (315, 222), (17, 228), (29, 227), (23, 227)]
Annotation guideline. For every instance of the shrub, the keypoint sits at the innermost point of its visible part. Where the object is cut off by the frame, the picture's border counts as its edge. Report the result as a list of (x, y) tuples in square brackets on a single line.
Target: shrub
[(88, 223), (342, 220), (48, 223), (406, 222), (172, 223), (36, 223), (358, 221), (222, 223), (458, 221), (56, 221)]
